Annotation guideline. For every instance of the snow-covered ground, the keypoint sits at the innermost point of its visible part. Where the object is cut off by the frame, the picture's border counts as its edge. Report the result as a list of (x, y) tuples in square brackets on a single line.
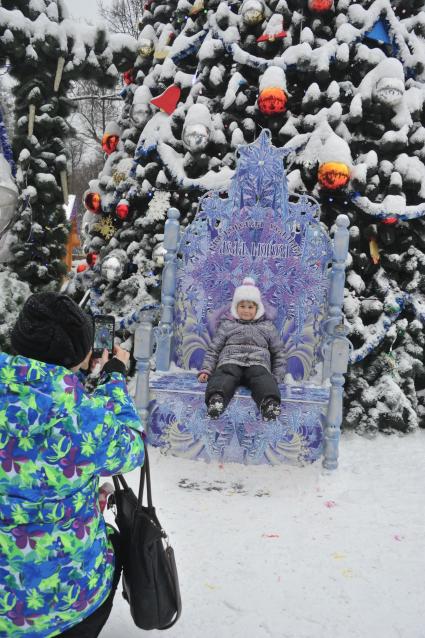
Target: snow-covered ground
[(296, 552)]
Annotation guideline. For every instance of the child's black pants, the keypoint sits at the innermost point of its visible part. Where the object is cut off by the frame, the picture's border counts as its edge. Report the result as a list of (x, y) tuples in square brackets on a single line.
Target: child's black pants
[(228, 377)]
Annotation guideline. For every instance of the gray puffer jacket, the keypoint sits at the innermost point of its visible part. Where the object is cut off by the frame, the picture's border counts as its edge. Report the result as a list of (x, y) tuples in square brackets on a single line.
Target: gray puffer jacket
[(246, 343)]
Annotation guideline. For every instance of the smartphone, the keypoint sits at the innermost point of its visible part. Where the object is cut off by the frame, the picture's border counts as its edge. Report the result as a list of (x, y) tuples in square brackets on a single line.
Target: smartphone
[(104, 332)]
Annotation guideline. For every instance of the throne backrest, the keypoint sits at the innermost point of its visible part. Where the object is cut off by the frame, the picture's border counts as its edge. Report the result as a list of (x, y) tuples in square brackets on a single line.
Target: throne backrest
[(256, 230)]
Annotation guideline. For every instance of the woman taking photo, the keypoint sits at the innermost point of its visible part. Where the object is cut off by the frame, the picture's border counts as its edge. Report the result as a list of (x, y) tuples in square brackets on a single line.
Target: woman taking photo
[(58, 572)]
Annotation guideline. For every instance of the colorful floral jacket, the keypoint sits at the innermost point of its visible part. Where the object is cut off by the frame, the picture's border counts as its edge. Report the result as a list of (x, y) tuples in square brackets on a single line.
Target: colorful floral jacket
[(56, 563)]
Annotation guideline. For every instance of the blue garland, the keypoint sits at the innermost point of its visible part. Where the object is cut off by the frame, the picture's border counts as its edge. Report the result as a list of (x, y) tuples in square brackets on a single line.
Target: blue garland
[(5, 145), (193, 47), (402, 299)]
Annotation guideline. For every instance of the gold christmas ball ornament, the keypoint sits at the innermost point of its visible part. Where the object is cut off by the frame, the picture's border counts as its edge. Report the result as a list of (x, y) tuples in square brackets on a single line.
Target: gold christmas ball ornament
[(333, 175), (118, 177), (252, 12), (146, 50)]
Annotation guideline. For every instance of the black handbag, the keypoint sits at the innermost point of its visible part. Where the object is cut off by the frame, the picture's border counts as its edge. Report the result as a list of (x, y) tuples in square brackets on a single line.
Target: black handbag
[(150, 580)]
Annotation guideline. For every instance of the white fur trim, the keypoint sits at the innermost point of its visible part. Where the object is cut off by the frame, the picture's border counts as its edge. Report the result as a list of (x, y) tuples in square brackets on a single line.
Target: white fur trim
[(247, 292)]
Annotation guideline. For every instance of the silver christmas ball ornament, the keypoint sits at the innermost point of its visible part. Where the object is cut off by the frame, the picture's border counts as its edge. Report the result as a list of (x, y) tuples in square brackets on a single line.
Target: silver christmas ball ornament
[(114, 264)]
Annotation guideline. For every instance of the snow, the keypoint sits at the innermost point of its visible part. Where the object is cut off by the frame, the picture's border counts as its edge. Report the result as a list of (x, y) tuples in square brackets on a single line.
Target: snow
[(82, 36), (68, 208), (210, 180), (273, 77), (355, 282), (237, 81), (283, 552), (335, 149), (198, 114)]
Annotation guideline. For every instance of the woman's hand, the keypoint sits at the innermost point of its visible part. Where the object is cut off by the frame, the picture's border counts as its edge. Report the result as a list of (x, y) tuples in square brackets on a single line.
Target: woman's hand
[(96, 364), (203, 377), (122, 355)]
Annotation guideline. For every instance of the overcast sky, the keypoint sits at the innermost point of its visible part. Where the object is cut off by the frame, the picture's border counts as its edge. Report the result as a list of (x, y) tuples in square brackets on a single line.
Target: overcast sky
[(83, 9)]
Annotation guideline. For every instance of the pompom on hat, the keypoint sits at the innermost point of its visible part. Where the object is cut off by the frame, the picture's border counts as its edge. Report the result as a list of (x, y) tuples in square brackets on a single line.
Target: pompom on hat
[(247, 292)]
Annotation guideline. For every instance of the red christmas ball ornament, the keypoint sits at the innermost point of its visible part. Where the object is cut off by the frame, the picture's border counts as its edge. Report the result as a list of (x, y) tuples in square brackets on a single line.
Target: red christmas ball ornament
[(122, 209), (320, 5), (272, 101), (110, 143), (128, 77), (91, 259), (390, 220), (92, 202), (81, 267)]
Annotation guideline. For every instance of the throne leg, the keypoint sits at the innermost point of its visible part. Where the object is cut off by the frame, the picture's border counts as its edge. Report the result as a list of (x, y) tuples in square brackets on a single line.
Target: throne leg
[(333, 422)]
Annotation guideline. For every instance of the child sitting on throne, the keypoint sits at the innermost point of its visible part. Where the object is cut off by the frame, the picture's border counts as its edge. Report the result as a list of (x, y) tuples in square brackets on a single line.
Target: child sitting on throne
[(246, 350)]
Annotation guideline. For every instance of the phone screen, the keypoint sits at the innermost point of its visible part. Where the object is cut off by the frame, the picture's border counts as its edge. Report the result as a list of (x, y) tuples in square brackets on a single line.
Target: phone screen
[(104, 328)]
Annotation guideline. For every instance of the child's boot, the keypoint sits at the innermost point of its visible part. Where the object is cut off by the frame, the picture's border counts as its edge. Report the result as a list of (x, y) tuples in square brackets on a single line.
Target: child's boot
[(215, 406), (270, 409)]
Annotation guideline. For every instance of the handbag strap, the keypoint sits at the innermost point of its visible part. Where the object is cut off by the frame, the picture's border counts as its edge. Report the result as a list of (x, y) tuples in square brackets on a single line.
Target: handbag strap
[(144, 473)]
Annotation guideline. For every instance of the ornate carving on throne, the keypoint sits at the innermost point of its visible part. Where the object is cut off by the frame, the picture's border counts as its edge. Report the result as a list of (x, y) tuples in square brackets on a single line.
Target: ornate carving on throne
[(256, 229)]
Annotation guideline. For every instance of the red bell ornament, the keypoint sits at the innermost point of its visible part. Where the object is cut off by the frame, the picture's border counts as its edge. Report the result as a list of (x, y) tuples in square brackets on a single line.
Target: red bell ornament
[(319, 6), (128, 77), (81, 267), (92, 202), (122, 209), (271, 37), (168, 100), (110, 143), (272, 101), (91, 259)]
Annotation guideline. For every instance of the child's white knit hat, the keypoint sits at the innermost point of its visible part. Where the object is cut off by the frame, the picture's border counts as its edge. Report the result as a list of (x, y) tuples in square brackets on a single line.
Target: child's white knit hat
[(247, 292)]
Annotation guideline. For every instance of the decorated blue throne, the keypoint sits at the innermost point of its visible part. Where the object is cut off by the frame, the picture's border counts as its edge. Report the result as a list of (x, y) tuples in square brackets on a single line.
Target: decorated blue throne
[(256, 229)]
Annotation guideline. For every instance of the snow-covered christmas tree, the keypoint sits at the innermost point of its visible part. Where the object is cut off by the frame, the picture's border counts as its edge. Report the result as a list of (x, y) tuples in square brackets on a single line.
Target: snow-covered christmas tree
[(341, 84), (45, 52), (127, 204)]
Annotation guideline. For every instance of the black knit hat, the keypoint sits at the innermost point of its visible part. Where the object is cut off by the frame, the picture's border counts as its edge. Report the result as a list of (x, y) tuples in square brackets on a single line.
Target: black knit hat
[(53, 328)]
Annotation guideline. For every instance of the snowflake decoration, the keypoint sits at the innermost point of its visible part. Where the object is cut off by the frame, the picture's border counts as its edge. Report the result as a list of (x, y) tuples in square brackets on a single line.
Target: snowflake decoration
[(159, 204), (105, 227)]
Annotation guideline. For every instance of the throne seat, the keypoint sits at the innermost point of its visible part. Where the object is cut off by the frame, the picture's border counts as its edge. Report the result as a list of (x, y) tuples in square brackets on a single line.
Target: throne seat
[(254, 229), (180, 426)]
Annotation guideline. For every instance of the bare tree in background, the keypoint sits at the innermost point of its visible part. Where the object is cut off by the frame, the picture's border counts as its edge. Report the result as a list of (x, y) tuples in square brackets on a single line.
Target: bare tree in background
[(122, 16), (96, 106)]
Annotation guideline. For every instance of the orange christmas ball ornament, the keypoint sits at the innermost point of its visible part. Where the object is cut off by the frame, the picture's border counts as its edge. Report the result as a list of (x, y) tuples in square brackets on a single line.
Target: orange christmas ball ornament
[(272, 101), (333, 175), (92, 201), (110, 143), (122, 209), (320, 5)]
